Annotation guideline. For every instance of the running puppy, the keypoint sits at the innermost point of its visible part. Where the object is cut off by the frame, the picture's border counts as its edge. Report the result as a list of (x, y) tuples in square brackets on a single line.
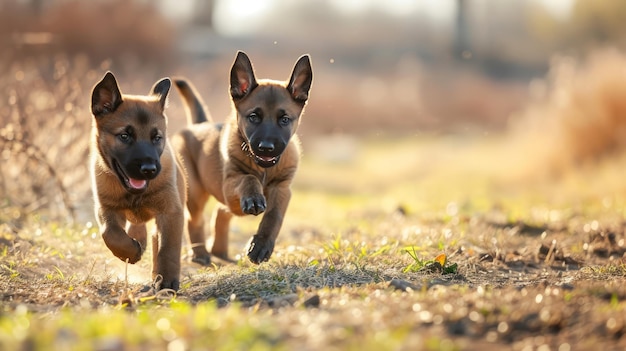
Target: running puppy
[(248, 163), (136, 178)]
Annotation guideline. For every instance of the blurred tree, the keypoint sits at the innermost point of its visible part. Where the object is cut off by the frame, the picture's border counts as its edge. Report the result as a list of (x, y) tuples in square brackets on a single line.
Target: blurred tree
[(589, 24), (37, 6), (203, 12), (599, 21), (461, 39)]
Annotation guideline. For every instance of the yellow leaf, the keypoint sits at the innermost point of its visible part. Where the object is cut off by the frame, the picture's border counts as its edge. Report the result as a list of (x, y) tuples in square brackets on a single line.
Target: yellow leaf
[(441, 258)]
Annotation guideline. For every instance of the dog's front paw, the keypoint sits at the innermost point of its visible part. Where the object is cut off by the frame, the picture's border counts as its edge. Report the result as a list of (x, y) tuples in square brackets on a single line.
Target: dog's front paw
[(260, 249), (137, 256), (254, 204), (131, 253)]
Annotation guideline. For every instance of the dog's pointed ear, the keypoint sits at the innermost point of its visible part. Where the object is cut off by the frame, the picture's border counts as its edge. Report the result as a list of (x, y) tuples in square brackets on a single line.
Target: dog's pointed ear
[(106, 96), (301, 79), (161, 90), (242, 79)]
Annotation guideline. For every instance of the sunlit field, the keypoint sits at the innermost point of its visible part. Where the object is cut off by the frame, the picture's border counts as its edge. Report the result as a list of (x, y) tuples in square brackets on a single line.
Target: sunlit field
[(410, 242), (402, 234)]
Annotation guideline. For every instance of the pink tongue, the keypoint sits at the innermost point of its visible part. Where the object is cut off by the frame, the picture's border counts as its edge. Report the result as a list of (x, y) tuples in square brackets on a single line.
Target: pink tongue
[(137, 183)]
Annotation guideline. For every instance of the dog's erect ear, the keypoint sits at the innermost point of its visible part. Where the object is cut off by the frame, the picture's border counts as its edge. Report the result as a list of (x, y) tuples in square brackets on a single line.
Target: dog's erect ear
[(161, 89), (242, 79), (106, 96), (301, 78)]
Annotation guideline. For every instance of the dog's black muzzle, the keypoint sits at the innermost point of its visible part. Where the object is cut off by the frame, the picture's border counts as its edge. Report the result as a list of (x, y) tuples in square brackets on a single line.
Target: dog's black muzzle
[(266, 152), (137, 166)]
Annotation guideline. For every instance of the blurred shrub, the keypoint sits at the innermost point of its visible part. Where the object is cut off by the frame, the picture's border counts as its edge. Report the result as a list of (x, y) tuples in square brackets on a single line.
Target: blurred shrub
[(101, 28), (577, 113), (44, 133), (600, 21), (589, 24)]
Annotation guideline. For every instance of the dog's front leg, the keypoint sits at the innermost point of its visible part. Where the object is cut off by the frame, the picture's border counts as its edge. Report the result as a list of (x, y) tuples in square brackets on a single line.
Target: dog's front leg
[(252, 200), (115, 237), (244, 194), (261, 245)]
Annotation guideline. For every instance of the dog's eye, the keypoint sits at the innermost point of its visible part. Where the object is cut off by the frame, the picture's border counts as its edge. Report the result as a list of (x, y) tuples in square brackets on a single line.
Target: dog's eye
[(157, 139), (124, 137), (284, 120), (254, 118)]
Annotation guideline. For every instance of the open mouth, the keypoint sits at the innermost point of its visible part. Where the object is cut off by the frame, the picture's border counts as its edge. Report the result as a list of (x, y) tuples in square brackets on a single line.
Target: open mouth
[(261, 160), (131, 184), (266, 161)]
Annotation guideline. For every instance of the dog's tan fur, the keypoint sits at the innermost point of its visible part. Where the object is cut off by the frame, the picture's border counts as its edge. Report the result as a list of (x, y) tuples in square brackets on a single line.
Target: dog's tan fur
[(164, 196), (221, 162)]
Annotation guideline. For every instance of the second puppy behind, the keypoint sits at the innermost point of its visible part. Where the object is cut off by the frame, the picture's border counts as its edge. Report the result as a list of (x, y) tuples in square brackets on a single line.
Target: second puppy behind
[(247, 163)]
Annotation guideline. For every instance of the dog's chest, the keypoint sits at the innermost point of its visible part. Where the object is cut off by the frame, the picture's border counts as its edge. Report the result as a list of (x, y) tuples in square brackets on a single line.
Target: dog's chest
[(138, 209)]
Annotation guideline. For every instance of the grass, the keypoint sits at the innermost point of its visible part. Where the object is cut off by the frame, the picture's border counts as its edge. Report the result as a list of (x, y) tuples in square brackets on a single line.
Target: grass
[(415, 242), (361, 281)]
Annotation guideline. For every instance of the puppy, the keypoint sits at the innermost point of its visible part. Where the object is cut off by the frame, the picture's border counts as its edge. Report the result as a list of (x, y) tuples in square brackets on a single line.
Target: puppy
[(136, 177), (247, 163)]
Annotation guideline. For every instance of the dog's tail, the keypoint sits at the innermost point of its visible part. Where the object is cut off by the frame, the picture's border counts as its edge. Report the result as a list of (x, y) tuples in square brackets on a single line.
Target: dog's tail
[(196, 112)]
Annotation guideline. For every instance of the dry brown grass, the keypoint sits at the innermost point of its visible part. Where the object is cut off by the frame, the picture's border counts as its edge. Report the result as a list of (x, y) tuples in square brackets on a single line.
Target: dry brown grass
[(519, 285), (539, 265), (577, 114), (45, 132), (101, 29)]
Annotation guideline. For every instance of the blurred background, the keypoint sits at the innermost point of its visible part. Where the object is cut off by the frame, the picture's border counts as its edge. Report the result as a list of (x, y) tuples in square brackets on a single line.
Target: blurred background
[(516, 89)]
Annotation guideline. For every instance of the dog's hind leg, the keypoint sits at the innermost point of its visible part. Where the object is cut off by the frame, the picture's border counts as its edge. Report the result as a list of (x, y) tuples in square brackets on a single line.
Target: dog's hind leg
[(221, 225), (195, 226)]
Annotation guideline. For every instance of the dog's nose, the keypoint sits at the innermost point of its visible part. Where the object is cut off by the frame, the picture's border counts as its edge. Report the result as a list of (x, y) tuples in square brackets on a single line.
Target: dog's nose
[(148, 169), (266, 146)]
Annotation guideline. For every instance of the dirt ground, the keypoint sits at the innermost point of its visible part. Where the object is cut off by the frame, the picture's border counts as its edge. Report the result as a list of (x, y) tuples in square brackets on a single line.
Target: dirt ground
[(530, 218), (533, 271)]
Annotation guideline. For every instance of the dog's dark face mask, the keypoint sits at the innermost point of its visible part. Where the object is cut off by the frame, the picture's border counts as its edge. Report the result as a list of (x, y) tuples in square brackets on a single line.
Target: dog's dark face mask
[(268, 113), (132, 136), (136, 162)]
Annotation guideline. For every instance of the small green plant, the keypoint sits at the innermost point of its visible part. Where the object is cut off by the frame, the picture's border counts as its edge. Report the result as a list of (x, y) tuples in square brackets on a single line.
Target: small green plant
[(417, 263), (59, 274), (438, 264), (10, 268)]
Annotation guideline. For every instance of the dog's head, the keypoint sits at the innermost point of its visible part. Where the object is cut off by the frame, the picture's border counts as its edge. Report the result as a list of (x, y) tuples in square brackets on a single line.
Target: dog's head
[(268, 112), (130, 131)]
